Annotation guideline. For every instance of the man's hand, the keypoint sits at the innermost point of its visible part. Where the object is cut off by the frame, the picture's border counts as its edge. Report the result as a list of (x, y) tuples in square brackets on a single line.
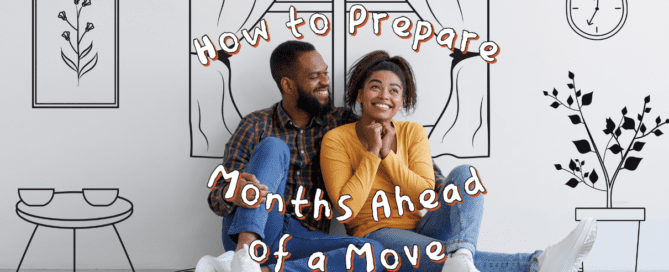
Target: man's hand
[(246, 178), (388, 140)]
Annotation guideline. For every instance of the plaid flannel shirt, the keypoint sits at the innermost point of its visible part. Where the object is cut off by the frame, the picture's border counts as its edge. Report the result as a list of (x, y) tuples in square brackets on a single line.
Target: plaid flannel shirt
[(304, 144)]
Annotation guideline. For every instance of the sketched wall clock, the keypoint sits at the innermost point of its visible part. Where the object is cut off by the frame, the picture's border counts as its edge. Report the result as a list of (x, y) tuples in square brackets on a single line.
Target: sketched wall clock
[(596, 19), (75, 54)]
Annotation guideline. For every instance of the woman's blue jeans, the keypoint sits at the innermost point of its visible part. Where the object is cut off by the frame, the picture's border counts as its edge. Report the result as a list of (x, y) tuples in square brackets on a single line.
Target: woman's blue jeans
[(269, 163), (455, 226)]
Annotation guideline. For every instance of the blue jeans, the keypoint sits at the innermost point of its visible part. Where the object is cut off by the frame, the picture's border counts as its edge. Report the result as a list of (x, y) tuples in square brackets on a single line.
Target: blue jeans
[(455, 226), (269, 163)]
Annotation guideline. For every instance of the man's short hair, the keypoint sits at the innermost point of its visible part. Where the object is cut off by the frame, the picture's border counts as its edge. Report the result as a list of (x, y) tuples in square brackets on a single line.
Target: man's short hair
[(284, 59)]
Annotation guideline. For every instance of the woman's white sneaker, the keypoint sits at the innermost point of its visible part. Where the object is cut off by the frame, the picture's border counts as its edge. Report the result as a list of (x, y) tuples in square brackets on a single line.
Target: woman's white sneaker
[(210, 264), (459, 261), (566, 255), (242, 261)]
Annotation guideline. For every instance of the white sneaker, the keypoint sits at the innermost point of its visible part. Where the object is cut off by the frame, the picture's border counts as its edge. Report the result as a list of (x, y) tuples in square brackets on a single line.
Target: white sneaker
[(566, 255), (242, 261), (221, 264), (459, 261)]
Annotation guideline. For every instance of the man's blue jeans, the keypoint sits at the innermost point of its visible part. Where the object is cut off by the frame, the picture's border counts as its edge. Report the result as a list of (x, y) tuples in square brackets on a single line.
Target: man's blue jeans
[(455, 226), (269, 163)]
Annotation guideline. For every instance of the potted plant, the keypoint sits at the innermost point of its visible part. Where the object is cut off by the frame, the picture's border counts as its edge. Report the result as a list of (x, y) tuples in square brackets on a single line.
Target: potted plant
[(619, 228)]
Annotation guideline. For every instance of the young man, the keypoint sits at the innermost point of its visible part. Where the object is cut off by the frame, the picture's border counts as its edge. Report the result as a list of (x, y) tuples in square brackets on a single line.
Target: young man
[(277, 149)]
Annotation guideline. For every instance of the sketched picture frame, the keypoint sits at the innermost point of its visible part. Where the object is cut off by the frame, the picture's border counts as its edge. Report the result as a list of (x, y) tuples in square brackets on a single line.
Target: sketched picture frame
[(75, 54)]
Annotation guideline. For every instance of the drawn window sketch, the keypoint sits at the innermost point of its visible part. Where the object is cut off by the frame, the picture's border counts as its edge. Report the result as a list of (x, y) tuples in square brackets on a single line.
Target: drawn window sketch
[(75, 54), (453, 101)]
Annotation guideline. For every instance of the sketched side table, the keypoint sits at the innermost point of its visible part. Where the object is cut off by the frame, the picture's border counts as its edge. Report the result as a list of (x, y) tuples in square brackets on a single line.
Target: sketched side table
[(69, 210)]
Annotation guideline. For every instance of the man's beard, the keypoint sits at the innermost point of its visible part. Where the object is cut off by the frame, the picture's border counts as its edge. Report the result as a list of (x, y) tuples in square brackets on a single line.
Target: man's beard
[(308, 102)]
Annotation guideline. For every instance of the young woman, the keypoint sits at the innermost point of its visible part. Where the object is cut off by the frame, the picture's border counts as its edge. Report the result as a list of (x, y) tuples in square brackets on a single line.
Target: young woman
[(378, 159)]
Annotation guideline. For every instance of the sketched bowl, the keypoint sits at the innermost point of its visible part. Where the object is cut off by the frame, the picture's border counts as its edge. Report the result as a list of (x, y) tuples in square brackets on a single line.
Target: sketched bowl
[(36, 197), (100, 196)]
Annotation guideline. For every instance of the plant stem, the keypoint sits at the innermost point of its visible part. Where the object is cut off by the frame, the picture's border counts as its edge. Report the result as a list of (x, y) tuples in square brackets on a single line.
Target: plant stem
[(599, 157), (563, 104), (650, 131), (586, 184), (613, 135), (636, 131), (68, 22), (78, 52), (75, 51)]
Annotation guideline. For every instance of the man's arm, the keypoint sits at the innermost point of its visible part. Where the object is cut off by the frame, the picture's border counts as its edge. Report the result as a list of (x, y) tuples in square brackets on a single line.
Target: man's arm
[(237, 154)]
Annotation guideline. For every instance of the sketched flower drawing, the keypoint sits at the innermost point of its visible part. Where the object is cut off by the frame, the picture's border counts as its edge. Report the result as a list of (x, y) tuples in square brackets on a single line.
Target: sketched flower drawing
[(77, 66)]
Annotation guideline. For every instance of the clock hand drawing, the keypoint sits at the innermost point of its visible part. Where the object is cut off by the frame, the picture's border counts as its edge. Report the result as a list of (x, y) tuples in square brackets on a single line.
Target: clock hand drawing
[(593, 15)]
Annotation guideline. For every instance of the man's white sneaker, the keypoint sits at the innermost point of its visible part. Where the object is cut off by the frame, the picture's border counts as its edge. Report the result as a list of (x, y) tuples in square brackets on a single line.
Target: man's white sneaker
[(566, 255), (242, 261), (459, 261), (211, 264)]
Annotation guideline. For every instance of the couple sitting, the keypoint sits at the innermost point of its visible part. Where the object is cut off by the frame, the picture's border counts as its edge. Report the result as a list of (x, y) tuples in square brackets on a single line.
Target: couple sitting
[(302, 142)]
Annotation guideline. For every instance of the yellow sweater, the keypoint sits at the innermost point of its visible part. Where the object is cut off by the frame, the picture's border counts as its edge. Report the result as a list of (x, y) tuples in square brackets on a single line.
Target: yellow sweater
[(349, 169)]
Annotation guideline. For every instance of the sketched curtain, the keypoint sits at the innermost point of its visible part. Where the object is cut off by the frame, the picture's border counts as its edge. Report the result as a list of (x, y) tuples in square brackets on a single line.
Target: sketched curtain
[(214, 114), (234, 86)]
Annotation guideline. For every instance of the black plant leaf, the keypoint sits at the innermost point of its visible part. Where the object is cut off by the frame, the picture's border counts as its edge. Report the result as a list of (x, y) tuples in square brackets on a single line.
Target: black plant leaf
[(615, 149), (571, 75), (555, 105), (643, 128), (570, 100), (582, 163), (658, 120), (629, 123), (545, 93), (624, 111), (647, 99), (610, 126), (639, 117), (586, 174), (647, 110), (571, 86), (638, 146), (558, 167), (578, 94), (667, 121), (632, 163), (593, 177), (575, 119), (657, 132), (572, 165), (583, 146), (555, 92), (587, 99), (578, 169), (572, 183), (618, 132)]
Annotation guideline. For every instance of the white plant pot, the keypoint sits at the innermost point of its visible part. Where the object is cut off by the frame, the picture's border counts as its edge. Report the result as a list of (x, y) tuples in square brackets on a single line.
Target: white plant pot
[(617, 245)]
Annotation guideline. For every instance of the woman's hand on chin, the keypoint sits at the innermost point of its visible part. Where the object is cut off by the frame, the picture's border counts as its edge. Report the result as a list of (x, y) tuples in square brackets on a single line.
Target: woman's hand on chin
[(387, 140), (371, 137)]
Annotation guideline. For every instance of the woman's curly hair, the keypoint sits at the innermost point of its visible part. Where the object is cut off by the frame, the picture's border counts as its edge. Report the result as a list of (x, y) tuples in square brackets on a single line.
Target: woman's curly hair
[(364, 67)]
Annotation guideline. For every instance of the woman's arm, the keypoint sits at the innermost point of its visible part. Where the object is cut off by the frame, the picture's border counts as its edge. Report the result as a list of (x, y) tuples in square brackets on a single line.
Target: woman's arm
[(418, 175), (340, 177)]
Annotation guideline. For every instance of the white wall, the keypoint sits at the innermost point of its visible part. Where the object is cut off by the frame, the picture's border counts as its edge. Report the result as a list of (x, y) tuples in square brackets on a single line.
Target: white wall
[(143, 146)]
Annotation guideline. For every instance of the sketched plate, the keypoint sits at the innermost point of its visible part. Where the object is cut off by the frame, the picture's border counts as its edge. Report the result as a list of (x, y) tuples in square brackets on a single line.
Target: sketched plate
[(70, 210)]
